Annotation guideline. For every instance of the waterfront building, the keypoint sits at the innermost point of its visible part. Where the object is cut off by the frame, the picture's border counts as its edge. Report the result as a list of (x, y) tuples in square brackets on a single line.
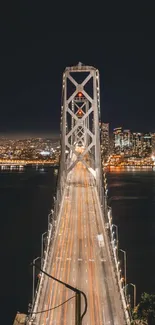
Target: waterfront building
[(105, 140), (137, 144), (117, 140), (153, 143), (147, 144)]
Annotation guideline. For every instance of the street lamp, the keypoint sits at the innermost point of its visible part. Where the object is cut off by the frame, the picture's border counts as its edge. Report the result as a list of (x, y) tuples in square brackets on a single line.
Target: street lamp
[(125, 287), (109, 214), (134, 294), (42, 247), (127, 299), (78, 293), (124, 253), (33, 285), (116, 227), (49, 217)]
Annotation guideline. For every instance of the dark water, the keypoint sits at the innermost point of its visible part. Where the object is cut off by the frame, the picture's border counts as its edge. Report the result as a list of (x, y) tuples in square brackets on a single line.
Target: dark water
[(25, 201), (133, 207)]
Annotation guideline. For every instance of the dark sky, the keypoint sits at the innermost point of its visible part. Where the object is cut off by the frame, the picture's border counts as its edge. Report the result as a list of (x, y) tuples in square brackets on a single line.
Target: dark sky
[(32, 60)]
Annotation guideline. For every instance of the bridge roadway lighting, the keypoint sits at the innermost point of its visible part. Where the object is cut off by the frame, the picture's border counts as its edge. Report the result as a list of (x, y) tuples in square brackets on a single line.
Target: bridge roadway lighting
[(134, 294), (42, 247), (125, 287), (78, 293), (109, 214), (49, 217), (109, 200), (124, 253), (126, 299), (134, 286), (116, 227), (33, 285)]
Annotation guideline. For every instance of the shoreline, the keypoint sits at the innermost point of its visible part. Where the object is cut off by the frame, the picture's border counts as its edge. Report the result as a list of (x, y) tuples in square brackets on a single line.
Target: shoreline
[(129, 168)]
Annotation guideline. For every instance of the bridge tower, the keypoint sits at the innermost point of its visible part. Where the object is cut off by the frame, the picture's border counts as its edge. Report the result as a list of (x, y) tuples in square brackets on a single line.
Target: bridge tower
[(80, 118)]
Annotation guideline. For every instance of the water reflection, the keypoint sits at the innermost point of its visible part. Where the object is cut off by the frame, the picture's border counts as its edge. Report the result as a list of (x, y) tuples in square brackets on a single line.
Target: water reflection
[(133, 209)]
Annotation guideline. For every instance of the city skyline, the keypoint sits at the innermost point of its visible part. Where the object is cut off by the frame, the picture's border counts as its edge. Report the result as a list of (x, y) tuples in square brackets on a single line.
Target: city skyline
[(77, 170), (56, 134)]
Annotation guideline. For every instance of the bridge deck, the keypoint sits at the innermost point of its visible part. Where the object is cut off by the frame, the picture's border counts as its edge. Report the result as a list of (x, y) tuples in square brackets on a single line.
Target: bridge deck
[(79, 260)]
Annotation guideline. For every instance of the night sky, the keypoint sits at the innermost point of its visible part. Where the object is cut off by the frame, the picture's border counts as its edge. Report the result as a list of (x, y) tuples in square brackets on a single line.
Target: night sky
[(33, 58)]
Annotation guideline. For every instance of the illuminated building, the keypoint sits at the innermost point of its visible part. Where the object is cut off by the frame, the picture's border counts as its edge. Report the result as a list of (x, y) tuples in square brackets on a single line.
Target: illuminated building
[(126, 141), (147, 144), (141, 144), (117, 137), (137, 144), (134, 145), (153, 143), (104, 140)]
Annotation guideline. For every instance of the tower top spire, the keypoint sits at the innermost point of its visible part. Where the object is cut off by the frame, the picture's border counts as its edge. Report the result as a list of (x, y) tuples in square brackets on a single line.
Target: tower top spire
[(80, 64)]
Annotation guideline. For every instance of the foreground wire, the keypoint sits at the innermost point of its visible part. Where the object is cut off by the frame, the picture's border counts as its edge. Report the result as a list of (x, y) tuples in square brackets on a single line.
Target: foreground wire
[(43, 311)]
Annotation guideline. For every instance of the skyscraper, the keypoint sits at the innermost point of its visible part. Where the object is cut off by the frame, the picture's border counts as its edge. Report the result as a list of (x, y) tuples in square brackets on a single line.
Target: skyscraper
[(126, 139), (126, 143), (105, 140), (153, 143), (147, 144), (137, 144), (117, 138)]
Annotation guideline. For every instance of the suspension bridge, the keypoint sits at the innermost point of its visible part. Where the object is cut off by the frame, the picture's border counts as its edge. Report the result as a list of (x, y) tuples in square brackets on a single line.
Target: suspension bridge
[(78, 250)]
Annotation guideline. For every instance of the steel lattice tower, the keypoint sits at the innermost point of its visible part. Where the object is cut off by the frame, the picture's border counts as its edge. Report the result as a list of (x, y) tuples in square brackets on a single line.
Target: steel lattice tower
[(80, 122)]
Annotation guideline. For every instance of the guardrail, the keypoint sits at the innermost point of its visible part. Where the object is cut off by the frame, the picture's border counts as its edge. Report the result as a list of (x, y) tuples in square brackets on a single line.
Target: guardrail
[(116, 262), (102, 202), (50, 236), (40, 283), (107, 217)]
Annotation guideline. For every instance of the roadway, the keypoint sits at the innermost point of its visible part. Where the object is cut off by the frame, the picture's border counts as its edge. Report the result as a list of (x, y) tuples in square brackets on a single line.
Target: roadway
[(77, 258)]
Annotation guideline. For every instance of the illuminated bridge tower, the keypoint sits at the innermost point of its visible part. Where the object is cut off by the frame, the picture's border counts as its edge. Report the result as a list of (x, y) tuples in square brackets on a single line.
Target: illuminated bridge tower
[(77, 250), (80, 115)]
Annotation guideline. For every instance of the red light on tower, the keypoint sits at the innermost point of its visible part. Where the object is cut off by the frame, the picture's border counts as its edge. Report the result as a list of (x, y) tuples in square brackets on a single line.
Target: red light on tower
[(79, 113), (80, 94)]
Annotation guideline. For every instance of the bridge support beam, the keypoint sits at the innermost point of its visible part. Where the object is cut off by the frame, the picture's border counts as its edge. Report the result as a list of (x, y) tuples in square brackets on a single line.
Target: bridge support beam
[(80, 122)]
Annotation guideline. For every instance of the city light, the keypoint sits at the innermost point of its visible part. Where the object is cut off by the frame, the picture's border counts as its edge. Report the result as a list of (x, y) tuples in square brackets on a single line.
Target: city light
[(126, 148), (45, 153), (28, 151)]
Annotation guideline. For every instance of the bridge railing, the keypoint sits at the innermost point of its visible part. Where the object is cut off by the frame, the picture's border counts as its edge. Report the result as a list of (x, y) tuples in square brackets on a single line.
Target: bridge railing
[(107, 217), (41, 281), (116, 262), (45, 258)]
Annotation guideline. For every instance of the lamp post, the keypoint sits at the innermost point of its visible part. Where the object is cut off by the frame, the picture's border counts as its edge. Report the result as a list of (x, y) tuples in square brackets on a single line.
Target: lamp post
[(125, 287), (134, 294), (33, 285), (116, 227), (42, 247), (49, 217), (124, 253), (78, 293), (109, 214)]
